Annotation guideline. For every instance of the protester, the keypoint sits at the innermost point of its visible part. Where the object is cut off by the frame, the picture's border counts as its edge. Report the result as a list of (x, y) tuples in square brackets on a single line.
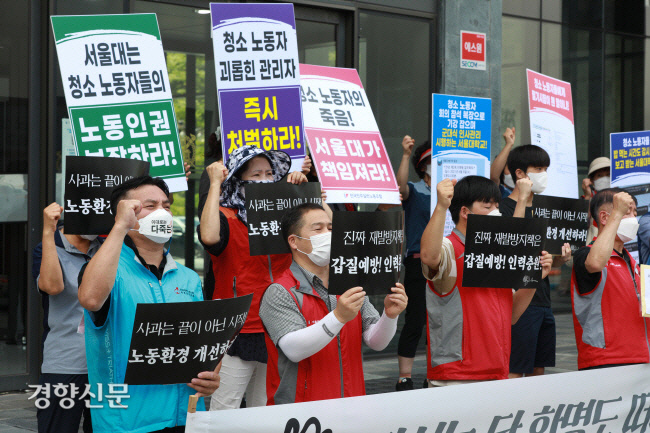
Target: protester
[(416, 201), (213, 154), (224, 233), (598, 179), (313, 337), (130, 268), (470, 326), (533, 336), (56, 265), (499, 172), (643, 239), (605, 288)]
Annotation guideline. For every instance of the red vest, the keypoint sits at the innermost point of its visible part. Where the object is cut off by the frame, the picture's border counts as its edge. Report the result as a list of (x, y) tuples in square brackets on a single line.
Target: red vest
[(486, 326), (321, 376), (252, 274), (607, 321)]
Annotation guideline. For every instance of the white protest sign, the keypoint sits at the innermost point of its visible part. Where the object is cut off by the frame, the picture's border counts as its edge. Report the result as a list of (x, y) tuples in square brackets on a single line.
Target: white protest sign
[(118, 92), (552, 128), (607, 400), (645, 290)]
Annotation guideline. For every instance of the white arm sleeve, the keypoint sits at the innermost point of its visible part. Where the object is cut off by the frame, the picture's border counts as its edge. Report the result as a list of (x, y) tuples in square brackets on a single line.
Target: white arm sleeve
[(379, 334), (305, 342)]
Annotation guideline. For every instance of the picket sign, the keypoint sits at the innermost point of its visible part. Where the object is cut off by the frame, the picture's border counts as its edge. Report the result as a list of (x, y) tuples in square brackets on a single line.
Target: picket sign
[(600, 401)]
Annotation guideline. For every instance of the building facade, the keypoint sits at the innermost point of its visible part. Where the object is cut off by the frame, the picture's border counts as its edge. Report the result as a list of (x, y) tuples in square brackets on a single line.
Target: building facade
[(403, 50)]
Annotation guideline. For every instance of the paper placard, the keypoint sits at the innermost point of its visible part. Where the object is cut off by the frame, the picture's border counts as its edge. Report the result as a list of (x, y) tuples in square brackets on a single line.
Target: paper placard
[(552, 128), (344, 139), (366, 251), (645, 290), (89, 182), (174, 342), (568, 221), (265, 205), (258, 78), (117, 91), (503, 252)]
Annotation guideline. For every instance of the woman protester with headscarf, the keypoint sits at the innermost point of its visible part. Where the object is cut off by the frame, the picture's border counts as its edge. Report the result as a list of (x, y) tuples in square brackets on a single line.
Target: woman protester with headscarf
[(224, 234)]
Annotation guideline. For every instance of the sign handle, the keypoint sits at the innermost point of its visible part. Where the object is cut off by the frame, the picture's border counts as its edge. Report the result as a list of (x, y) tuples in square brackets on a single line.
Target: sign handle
[(191, 404)]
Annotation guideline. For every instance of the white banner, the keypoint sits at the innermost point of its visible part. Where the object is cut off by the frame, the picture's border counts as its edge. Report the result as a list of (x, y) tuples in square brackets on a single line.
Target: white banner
[(609, 400)]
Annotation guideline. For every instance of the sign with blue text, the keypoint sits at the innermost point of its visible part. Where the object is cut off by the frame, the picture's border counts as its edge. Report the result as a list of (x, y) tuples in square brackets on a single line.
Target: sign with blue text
[(630, 158), (460, 141)]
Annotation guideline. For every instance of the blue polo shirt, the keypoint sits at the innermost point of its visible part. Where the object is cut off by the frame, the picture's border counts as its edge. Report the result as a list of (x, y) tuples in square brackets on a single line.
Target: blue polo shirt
[(150, 407), (417, 212)]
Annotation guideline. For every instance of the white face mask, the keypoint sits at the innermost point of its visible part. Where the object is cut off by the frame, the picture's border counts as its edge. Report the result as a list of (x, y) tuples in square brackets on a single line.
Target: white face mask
[(540, 180), (495, 212), (507, 180), (602, 183), (428, 170), (627, 229), (321, 246), (157, 226), (89, 237)]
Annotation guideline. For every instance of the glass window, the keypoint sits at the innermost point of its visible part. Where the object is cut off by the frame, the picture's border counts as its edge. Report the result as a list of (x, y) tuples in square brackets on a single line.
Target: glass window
[(416, 5), (624, 77), (552, 10), (520, 51), (316, 43), (625, 16), (397, 80), (575, 56), (585, 13), (14, 92), (528, 8), (77, 7)]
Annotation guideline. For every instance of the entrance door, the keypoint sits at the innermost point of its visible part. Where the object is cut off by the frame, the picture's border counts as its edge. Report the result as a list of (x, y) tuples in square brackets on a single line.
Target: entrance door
[(324, 37)]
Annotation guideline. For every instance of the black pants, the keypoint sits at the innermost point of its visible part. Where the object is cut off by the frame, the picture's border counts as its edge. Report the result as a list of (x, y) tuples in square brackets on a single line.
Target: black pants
[(416, 309), (56, 419)]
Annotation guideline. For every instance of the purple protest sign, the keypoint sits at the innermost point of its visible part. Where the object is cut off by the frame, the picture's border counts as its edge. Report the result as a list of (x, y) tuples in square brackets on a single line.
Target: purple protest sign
[(222, 14), (268, 118), (258, 78)]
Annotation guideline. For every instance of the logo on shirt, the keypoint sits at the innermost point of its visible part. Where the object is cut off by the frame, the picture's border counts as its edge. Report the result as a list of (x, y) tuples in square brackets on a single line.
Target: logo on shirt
[(528, 279), (183, 292)]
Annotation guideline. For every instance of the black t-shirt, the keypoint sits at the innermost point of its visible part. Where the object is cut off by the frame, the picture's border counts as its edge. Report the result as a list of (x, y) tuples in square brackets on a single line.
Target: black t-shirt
[(542, 296), (587, 281)]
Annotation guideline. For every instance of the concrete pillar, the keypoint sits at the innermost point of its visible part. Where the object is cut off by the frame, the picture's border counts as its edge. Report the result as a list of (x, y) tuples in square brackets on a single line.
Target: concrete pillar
[(482, 16)]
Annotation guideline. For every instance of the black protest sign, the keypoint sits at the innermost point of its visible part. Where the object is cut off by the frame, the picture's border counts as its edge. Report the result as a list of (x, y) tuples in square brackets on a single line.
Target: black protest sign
[(265, 205), (568, 221), (174, 342), (503, 252), (89, 181), (366, 251)]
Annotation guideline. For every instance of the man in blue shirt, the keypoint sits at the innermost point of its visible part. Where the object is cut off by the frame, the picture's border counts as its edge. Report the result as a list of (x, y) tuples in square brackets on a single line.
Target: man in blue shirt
[(416, 201), (130, 268)]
